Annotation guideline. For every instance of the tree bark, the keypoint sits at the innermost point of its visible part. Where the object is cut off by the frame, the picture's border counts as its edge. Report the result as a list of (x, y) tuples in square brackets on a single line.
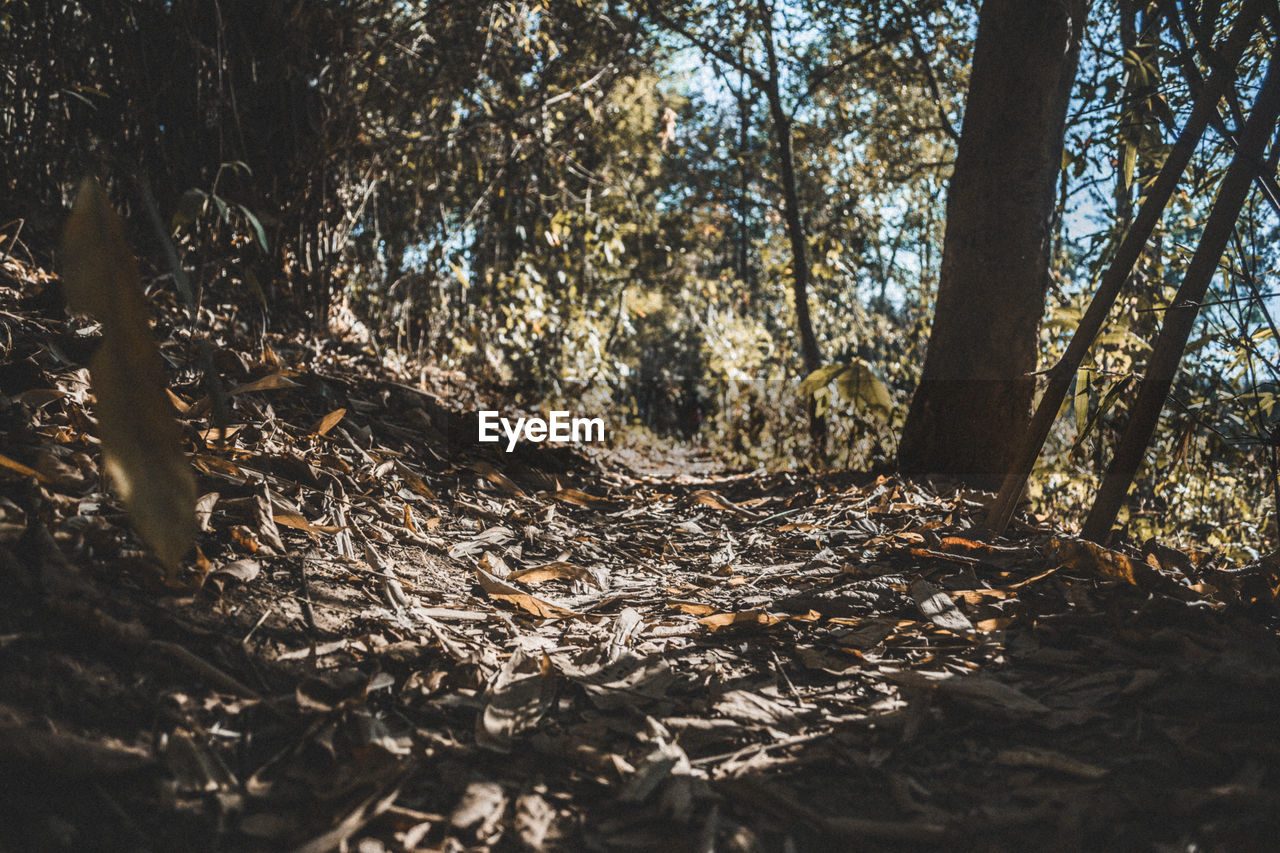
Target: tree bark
[(809, 352), (1180, 319), (975, 393), (742, 256), (1122, 264)]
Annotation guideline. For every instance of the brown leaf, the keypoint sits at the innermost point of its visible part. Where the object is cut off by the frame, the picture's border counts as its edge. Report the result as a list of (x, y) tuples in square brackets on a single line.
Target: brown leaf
[(516, 698), (267, 530), (496, 588), (1089, 558), (413, 481), (270, 382), (207, 463), (329, 421), (20, 469), (499, 479), (577, 497), (240, 571), (745, 617), (297, 522), (28, 751), (1048, 759), (715, 500), (533, 819), (555, 571), (204, 510), (141, 441), (978, 691), (480, 811), (215, 435)]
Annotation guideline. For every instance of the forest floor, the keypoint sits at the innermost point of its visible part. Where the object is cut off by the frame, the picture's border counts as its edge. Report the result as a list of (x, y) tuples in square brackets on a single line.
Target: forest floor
[(395, 638)]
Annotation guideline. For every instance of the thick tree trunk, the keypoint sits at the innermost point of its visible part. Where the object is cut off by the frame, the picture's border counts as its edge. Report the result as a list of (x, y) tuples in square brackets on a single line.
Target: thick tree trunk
[(1127, 255), (974, 399)]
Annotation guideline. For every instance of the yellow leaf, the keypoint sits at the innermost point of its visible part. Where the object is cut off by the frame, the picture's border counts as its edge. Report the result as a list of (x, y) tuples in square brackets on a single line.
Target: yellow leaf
[(141, 441)]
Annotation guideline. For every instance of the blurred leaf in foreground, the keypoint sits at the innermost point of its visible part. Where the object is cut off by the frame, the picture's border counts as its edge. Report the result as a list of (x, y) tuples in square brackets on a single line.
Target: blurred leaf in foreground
[(140, 439)]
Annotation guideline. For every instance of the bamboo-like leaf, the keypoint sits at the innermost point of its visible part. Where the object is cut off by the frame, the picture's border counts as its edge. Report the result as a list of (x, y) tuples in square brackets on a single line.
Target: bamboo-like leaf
[(1082, 399), (141, 446), (1130, 161), (1108, 400), (256, 225)]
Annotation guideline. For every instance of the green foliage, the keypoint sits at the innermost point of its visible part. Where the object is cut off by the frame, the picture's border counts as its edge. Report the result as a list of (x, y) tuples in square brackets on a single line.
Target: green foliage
[(581, 200)]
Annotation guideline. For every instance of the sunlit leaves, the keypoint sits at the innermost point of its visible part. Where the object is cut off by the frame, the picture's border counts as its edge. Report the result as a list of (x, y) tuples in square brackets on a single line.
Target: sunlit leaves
[(856, 383)]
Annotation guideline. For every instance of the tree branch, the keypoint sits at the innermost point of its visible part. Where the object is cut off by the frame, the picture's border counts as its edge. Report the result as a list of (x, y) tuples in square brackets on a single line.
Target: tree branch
[(717, 53), (947, 127)]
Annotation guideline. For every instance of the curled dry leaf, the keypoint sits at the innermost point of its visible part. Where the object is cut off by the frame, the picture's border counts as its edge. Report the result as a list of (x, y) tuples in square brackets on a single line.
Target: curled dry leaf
[(559, 570), (480, 810), (13, 521), (501, 591), (533, 819), (477, 544), (239, 571), (499, 479), (141, 442), (516, 698), (716, 500), (204, 510)]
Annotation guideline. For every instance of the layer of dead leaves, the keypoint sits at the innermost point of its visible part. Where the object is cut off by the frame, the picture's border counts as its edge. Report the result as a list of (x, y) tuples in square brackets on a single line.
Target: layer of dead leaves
[(393, 639)]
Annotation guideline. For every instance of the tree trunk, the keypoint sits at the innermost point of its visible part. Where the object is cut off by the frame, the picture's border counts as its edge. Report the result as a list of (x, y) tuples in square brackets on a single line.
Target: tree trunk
[(1127, 255), (809, 351), (975, 393), (742, 255), (1180, 319)]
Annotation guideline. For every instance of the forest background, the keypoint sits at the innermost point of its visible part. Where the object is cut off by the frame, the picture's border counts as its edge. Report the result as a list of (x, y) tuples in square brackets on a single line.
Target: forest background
[(633, 208)]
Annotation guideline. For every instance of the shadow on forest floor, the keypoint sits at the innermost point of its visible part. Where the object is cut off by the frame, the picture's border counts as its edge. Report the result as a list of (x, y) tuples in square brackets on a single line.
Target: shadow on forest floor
[(395, 639)]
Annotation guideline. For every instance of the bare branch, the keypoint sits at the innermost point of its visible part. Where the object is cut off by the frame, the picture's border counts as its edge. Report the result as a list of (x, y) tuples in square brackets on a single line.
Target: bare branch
[(918, 47)]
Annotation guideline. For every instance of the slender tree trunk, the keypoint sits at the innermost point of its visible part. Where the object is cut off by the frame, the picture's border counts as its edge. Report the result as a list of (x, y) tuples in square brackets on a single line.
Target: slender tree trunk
[(975, 393), (1126, 124), (743, 254), (791, 214), (795, 232), (1126, 256), (1180, 319)]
